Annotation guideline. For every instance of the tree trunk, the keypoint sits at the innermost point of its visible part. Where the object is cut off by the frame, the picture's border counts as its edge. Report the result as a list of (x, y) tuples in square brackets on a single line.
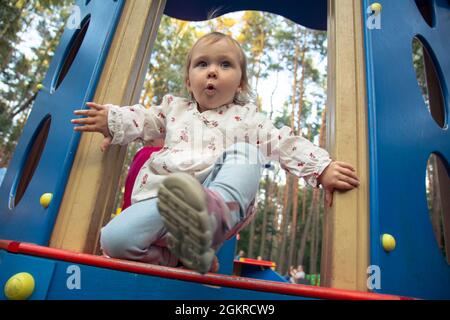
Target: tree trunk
[(300, 52), (301, 88), (284, 223), (304, 204), (293, 180), (251, 239), (258, 73), (314, 236), (274, 229), (24, 106), (294, 220), (283, 253), (314, 256), (301, 251), (267, 186), (318, 236), (294, 87)]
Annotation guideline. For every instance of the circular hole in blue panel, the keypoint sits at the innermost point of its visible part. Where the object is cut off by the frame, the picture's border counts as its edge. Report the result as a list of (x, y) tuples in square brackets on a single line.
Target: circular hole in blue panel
[(429, 80), (437, 184), (30, 161), (427, 11), (71, 52)]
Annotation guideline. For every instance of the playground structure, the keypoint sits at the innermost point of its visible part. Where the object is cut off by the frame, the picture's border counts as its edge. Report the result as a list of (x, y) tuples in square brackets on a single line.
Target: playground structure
[(378, 121)]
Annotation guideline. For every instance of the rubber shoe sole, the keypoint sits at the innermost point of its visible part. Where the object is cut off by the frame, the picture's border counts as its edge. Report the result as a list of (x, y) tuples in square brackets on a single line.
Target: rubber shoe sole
[(182, 205)]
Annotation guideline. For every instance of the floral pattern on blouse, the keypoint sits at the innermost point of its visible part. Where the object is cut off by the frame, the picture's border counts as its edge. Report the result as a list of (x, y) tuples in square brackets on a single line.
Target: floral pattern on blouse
[(194, 141)]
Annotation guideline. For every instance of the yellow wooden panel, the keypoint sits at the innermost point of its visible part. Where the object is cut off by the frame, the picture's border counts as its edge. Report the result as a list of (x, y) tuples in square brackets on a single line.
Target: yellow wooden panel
[(345, 252)]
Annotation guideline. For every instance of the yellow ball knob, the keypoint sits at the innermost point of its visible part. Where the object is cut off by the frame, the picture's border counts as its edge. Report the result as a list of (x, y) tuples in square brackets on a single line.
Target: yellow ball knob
[(388, 242), (19, 287), (45, 199), (39, 86), (376, 7)]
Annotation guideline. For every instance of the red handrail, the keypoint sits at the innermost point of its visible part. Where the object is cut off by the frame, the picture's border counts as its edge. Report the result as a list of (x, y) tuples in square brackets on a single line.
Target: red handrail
[(187, 275)]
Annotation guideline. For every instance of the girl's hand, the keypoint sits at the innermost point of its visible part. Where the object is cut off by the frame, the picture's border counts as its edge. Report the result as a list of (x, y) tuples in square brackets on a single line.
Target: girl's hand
[(338, 175), (96, 121)]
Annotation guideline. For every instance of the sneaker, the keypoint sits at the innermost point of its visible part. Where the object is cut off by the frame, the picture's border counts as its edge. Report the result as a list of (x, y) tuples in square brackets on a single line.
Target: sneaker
[(194, 219), (215, 266)]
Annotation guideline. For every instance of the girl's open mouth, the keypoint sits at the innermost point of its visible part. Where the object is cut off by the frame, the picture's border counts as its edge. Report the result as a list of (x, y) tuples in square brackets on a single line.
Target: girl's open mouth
[(210, 89)]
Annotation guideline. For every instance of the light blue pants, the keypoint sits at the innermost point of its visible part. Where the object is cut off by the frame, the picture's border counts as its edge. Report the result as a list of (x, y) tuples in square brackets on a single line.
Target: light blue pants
[(138, 233)]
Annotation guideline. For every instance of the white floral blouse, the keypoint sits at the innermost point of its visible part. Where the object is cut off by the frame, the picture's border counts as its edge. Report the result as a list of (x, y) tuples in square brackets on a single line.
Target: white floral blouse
[(194, 141)]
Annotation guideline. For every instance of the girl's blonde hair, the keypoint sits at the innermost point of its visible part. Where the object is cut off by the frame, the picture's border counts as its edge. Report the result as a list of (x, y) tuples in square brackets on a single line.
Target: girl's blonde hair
[(245, 94)]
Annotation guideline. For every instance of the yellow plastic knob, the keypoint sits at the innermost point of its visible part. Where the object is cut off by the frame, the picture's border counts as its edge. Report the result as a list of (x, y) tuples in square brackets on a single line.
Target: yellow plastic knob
[(376, 7), (39, 86), (45, 199), (388, 242), (20, 286)]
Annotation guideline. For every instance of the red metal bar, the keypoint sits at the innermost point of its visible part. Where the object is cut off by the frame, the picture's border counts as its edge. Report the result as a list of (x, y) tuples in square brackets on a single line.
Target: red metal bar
[(187, 275)]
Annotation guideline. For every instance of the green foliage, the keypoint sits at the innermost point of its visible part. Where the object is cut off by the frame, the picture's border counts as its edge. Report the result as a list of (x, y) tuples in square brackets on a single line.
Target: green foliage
[(166, 69), (419, 67), (283, 119)]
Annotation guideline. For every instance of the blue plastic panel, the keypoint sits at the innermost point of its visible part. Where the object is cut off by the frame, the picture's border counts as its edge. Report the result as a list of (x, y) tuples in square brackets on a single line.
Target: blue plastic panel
[(28, 221), (225, 255), (402, 136), (94, 283), (263, 273), (40, 269), (311, 14)]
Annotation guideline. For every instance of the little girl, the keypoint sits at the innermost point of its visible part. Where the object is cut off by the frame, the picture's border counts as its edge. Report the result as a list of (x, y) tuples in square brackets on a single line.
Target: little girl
[(198, 189)]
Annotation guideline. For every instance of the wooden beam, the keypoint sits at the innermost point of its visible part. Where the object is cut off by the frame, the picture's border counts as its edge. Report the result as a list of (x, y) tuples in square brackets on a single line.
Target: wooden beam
[(88, 199), (345, 252)]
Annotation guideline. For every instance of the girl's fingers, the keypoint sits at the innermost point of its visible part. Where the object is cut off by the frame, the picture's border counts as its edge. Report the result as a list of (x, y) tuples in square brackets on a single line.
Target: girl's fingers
[(345, 165), (343, 185), (87, 128), (83, 121), (348, 172), (348, 179), (105, 143), (95, 106), (81, 112), (87, 113), (353, 182), (92, 112)]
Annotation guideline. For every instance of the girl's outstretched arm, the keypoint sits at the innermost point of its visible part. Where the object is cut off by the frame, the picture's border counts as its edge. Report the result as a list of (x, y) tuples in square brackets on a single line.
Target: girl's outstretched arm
[(96, 120), (337, 175), (122, 125), (301, 157)]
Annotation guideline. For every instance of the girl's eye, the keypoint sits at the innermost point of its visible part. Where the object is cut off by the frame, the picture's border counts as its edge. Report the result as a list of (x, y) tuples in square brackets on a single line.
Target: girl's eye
[(202, 64), (225, 64)]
